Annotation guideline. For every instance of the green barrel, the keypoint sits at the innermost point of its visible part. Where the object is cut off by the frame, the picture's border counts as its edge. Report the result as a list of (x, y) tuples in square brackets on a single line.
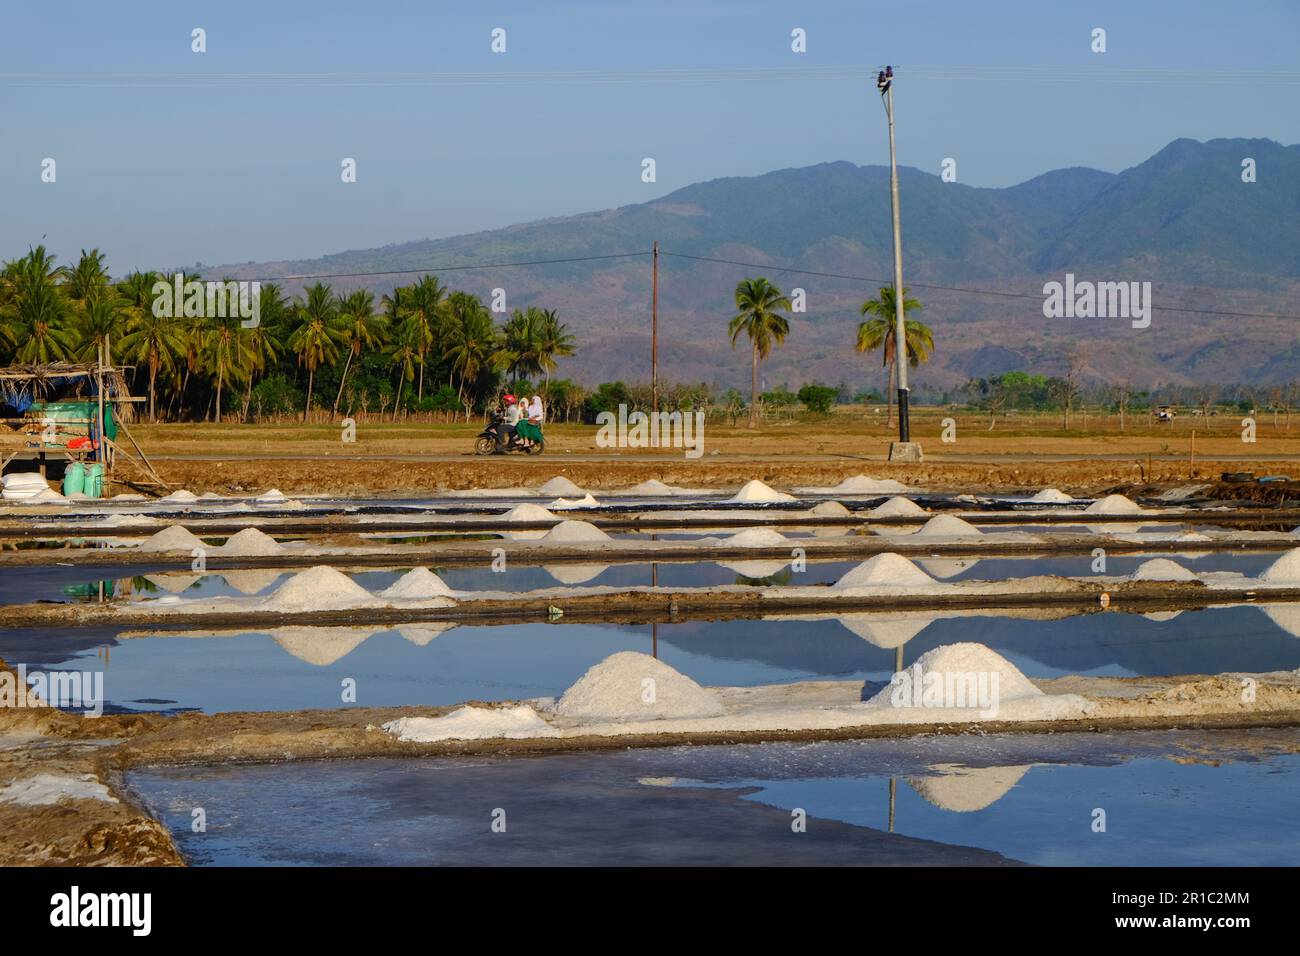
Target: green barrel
[(95, 480), (74, 478)]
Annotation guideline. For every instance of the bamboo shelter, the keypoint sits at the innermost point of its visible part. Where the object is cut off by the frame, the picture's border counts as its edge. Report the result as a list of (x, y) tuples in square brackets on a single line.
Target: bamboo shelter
[(69, 411)]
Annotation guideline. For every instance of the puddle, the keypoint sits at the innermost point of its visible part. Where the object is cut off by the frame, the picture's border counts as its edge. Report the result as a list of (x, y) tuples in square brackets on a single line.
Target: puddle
[(956, 801)]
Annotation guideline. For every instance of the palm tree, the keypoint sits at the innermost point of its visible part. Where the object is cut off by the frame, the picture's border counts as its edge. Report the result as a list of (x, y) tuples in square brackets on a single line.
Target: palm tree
[(519, 341), (880, 330), (424, 312), (264, 340), (98, 319), (471, 344), (405, 353), (35, 311), (154, 342), (553, 340), (363, 330), (757, 301), (316, 335), (86, 278)]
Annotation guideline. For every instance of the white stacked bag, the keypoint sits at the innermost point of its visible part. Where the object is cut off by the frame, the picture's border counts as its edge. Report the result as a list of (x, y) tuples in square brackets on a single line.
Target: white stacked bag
[(26, 486)]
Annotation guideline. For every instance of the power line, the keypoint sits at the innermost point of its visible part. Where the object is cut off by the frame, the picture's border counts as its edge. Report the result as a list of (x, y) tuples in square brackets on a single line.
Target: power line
[(459, 268)]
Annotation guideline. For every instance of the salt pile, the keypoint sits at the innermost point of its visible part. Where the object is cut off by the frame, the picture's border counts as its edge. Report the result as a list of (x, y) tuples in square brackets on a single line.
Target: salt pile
[(757, 538), (273, 497), (574, 532), (181, 495), (1113, 505), (1162, 569), (756, 491), (829, 509), (1051, 495), (174, 537), (885, 570), (565, 504), (896, 507), (473, 723), (47, 496), (862, 485), (528, 512), (251, 542), (969, 658), (318, 589), (418, 584), (652, 488), (559, 486), (1285, 570), (949, 526), (634, 686)]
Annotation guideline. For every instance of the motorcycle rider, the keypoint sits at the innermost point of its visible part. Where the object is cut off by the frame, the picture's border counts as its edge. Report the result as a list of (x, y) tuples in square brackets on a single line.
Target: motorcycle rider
[(506, 430)]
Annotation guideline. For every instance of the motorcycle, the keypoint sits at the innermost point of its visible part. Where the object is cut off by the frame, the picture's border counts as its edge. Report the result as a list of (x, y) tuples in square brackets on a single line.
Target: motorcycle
[(486, 443)]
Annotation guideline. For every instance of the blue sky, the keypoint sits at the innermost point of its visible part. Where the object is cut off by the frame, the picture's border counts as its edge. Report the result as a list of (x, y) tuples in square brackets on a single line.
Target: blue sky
[(160, 172)]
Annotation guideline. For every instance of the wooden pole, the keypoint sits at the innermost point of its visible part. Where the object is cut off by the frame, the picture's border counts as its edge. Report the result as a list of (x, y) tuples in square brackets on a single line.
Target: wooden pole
[(654, 334), (102, 451)]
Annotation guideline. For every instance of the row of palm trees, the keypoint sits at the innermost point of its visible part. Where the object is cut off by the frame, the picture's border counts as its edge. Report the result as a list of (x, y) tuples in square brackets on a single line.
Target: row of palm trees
[(759, 303), (70, 313)]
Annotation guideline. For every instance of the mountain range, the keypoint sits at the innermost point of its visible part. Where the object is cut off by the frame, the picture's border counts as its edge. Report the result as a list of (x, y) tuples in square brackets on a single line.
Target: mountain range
[(1184, 220)]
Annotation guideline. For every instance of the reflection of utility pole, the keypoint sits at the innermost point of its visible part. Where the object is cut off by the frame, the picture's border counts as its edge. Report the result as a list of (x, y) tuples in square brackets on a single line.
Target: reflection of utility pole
[(904, 449), (654, 625), (893, 792), (654, 334)]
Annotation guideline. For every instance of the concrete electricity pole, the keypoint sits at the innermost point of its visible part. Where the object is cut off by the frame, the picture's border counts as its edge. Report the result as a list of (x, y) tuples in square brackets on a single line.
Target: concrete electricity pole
[(904, 449)]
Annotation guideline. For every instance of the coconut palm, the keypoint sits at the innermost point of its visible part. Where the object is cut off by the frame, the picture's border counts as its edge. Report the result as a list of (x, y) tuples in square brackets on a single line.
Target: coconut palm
[(757, 301), (424, 312), (519, 342), (363, 329), (879, 330), (471, 340), (154, 342), (316, 335), (263, 341), (553, 341), (35, 311)]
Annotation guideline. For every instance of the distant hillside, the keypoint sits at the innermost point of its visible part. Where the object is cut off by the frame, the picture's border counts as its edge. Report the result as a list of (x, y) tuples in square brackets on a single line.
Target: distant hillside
[(1182, 220)]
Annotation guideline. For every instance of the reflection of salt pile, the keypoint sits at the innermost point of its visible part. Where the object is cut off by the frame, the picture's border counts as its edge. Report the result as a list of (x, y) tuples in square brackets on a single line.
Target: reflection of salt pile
[(318, 589), (886, 630), (564, 504), (174, 537), (1285, 616), (1051, 496), (575, 532), (1113, 505), (755, 491), (1162, 569), (896, 507), (1161, 616), (948, 526), (575, 573), (251, 582), (969, 658), (418, 584), (251, 542), (320, 646), (528, 512), (946, 567), (1285, 570), (473, 723), (886, 570), (829, 509), (962, 789), (173, 583), (421, 635), (559, 486), (634, 686)]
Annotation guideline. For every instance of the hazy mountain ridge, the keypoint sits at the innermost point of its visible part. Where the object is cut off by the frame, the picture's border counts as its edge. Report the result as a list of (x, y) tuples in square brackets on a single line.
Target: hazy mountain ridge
[(1183, 220)]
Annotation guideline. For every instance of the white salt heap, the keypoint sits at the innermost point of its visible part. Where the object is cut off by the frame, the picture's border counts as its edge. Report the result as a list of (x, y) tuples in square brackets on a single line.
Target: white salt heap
[(756, 491), (651, 488), (251, 541), (896, 507), (1113, 505), (757, 538), (634, 686), (418, 584), (969, 658), (472, 723), (565, 504), (862, 485), (318, 589), (174, 537), (561, 487), (948, 526), (528, 512), (574, 532), (1051, 495), (273, 497), (1285, 570), (1162, 569), (829, 509), (181, 495), (885, 570)]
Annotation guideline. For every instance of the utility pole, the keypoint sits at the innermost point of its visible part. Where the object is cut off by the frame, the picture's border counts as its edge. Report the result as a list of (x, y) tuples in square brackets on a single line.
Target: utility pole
[(904, 449), (654, 335)]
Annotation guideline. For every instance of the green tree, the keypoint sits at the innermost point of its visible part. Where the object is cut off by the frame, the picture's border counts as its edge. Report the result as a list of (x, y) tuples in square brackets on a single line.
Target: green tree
[(316, 334), (879, 330), (363, 330), (757, 302)]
